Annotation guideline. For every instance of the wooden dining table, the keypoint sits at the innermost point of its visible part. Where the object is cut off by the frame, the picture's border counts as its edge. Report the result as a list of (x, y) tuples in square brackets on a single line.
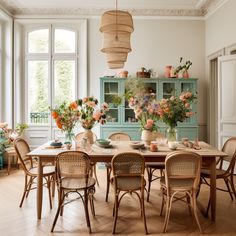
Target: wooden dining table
[(46, 153)]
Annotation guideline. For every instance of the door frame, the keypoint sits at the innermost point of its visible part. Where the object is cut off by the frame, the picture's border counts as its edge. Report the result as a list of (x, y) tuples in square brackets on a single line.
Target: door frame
[(212, 88)]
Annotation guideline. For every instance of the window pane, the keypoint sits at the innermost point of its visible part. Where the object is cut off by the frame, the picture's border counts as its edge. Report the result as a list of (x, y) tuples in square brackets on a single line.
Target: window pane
[(64, 41), (38, 92), (38, 41), (64, 81)]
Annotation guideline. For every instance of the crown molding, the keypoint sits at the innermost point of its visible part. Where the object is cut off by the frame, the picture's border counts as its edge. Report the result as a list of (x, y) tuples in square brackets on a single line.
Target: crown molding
[(203, 8)]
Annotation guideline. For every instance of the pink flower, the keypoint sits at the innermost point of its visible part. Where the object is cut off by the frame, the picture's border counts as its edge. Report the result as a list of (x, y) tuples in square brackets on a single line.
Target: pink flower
[(105, 106), (187, 105), (97, 115), (189, 114), (91, 104), (172, 98), (3, 125)]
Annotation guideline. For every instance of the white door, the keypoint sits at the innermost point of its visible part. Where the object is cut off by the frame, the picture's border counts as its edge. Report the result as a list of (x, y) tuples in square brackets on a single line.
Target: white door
[(226, 98)]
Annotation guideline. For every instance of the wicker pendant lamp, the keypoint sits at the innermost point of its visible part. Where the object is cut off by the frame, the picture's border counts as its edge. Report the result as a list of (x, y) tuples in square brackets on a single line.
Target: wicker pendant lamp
[(116, 27)]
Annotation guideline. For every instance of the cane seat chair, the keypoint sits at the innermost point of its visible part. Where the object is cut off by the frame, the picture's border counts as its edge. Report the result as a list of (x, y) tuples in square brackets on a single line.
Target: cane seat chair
[(128, 177), (79, 137), (227, 174), (120, 136), (31, 171), (181, 181), (73, 176)]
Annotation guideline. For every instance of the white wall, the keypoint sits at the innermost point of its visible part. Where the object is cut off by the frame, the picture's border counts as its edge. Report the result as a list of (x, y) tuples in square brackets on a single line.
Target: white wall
[(156, 43), (220, 28)]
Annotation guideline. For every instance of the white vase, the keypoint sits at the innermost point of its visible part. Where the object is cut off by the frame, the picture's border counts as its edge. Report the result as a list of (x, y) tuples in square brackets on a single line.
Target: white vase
[(147, 136), (88, 134)]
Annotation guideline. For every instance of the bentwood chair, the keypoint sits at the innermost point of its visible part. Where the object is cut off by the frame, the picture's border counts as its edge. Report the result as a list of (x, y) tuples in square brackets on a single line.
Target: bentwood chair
[(79, 137), (227, 174), (181, 181), (120, 136), (128, 177), (73, 176), (31, 172)]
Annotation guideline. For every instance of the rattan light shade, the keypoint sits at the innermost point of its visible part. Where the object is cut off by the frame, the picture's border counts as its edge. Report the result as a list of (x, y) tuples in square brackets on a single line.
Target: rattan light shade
[(117, 65), (116, 20), (115, 57), (116, 42)]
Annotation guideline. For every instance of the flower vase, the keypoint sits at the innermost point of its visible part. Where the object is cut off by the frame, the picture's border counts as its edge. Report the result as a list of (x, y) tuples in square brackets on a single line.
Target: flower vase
[(185, 74), (172, 137), (69, 137), (147, 136), (88, 134)]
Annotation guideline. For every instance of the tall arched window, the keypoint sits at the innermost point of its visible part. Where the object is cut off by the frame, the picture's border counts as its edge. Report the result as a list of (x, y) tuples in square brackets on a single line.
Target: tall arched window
[(51, 70)]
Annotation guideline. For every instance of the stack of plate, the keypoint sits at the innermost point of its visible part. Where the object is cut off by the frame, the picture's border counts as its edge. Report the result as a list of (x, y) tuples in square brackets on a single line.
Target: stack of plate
[(137, 145)]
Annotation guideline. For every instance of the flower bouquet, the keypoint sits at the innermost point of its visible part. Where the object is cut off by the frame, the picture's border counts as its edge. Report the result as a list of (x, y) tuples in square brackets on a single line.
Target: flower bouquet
[(176, 109), (66, 116)]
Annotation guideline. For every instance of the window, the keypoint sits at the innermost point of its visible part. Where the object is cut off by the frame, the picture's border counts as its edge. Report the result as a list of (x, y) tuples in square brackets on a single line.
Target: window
[(51, 59)]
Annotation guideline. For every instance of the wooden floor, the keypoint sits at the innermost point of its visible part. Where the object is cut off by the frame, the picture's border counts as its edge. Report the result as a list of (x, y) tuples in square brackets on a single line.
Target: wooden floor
[(23, 221)]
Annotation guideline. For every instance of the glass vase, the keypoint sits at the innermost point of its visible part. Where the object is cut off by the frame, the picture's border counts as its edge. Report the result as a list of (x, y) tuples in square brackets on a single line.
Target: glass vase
[(69, 137), (172, 137)]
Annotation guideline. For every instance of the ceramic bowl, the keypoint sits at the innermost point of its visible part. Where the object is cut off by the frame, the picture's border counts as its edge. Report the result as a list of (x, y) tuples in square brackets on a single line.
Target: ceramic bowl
[(103, 142), (137, 145)]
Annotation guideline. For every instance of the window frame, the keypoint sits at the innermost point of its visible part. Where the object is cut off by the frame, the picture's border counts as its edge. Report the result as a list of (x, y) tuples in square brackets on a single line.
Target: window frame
[(51, 57)]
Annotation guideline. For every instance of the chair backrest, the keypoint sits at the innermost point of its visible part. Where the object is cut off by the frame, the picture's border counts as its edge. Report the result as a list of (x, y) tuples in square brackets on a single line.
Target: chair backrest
[(128, 164), (229, 147), (74, 164), (79, 136), (119, 137), (22, 148), (183, 166)]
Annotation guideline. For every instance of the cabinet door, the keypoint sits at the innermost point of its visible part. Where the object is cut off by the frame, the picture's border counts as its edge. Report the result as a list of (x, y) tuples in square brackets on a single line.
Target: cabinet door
[(167, 89), (111, 95)]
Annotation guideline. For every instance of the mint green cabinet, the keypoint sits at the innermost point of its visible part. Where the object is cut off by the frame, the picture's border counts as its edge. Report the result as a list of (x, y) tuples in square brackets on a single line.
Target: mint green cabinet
[(121, 118)]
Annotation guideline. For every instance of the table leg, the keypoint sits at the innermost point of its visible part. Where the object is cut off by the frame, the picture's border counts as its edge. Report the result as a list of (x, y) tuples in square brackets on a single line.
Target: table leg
[(213, 188), (39, 188)]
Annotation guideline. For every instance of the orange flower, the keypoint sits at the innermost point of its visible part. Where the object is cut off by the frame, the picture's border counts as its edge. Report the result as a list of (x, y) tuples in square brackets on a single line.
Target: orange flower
[(59, 125), (54, 114), (73, 105)]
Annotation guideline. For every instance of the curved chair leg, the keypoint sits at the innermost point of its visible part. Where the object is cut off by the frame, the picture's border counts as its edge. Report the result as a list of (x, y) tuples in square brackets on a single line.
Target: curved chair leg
[(25, 190), (194, 207), (108, 182), (143, 212), (29, 185), (49, 191), (232, 184), (95, 173), (168, 207), (86, 210), (61, 198), (149, 172), (229, 190), (116, 212)]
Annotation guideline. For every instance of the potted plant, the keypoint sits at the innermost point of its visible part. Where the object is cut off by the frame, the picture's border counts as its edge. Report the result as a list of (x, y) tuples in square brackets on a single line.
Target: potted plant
[(144, 73), (182, 69)]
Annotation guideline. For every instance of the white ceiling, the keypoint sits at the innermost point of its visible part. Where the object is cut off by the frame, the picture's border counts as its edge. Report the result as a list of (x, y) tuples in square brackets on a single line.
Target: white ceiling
[(93, 7)]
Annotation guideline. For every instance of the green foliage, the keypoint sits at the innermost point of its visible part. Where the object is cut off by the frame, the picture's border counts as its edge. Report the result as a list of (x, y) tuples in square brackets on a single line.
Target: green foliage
[(183, 67), (20, 127)]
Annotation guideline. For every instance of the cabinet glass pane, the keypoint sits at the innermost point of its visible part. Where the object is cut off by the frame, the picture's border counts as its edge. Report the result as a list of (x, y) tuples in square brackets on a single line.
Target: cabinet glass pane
[(130, 116), (112, 115), (168, 90), (186, 87), (111, 93)]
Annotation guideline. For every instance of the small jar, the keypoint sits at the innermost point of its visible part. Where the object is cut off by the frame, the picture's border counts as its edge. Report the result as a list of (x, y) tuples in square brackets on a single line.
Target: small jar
[(153, 146)]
